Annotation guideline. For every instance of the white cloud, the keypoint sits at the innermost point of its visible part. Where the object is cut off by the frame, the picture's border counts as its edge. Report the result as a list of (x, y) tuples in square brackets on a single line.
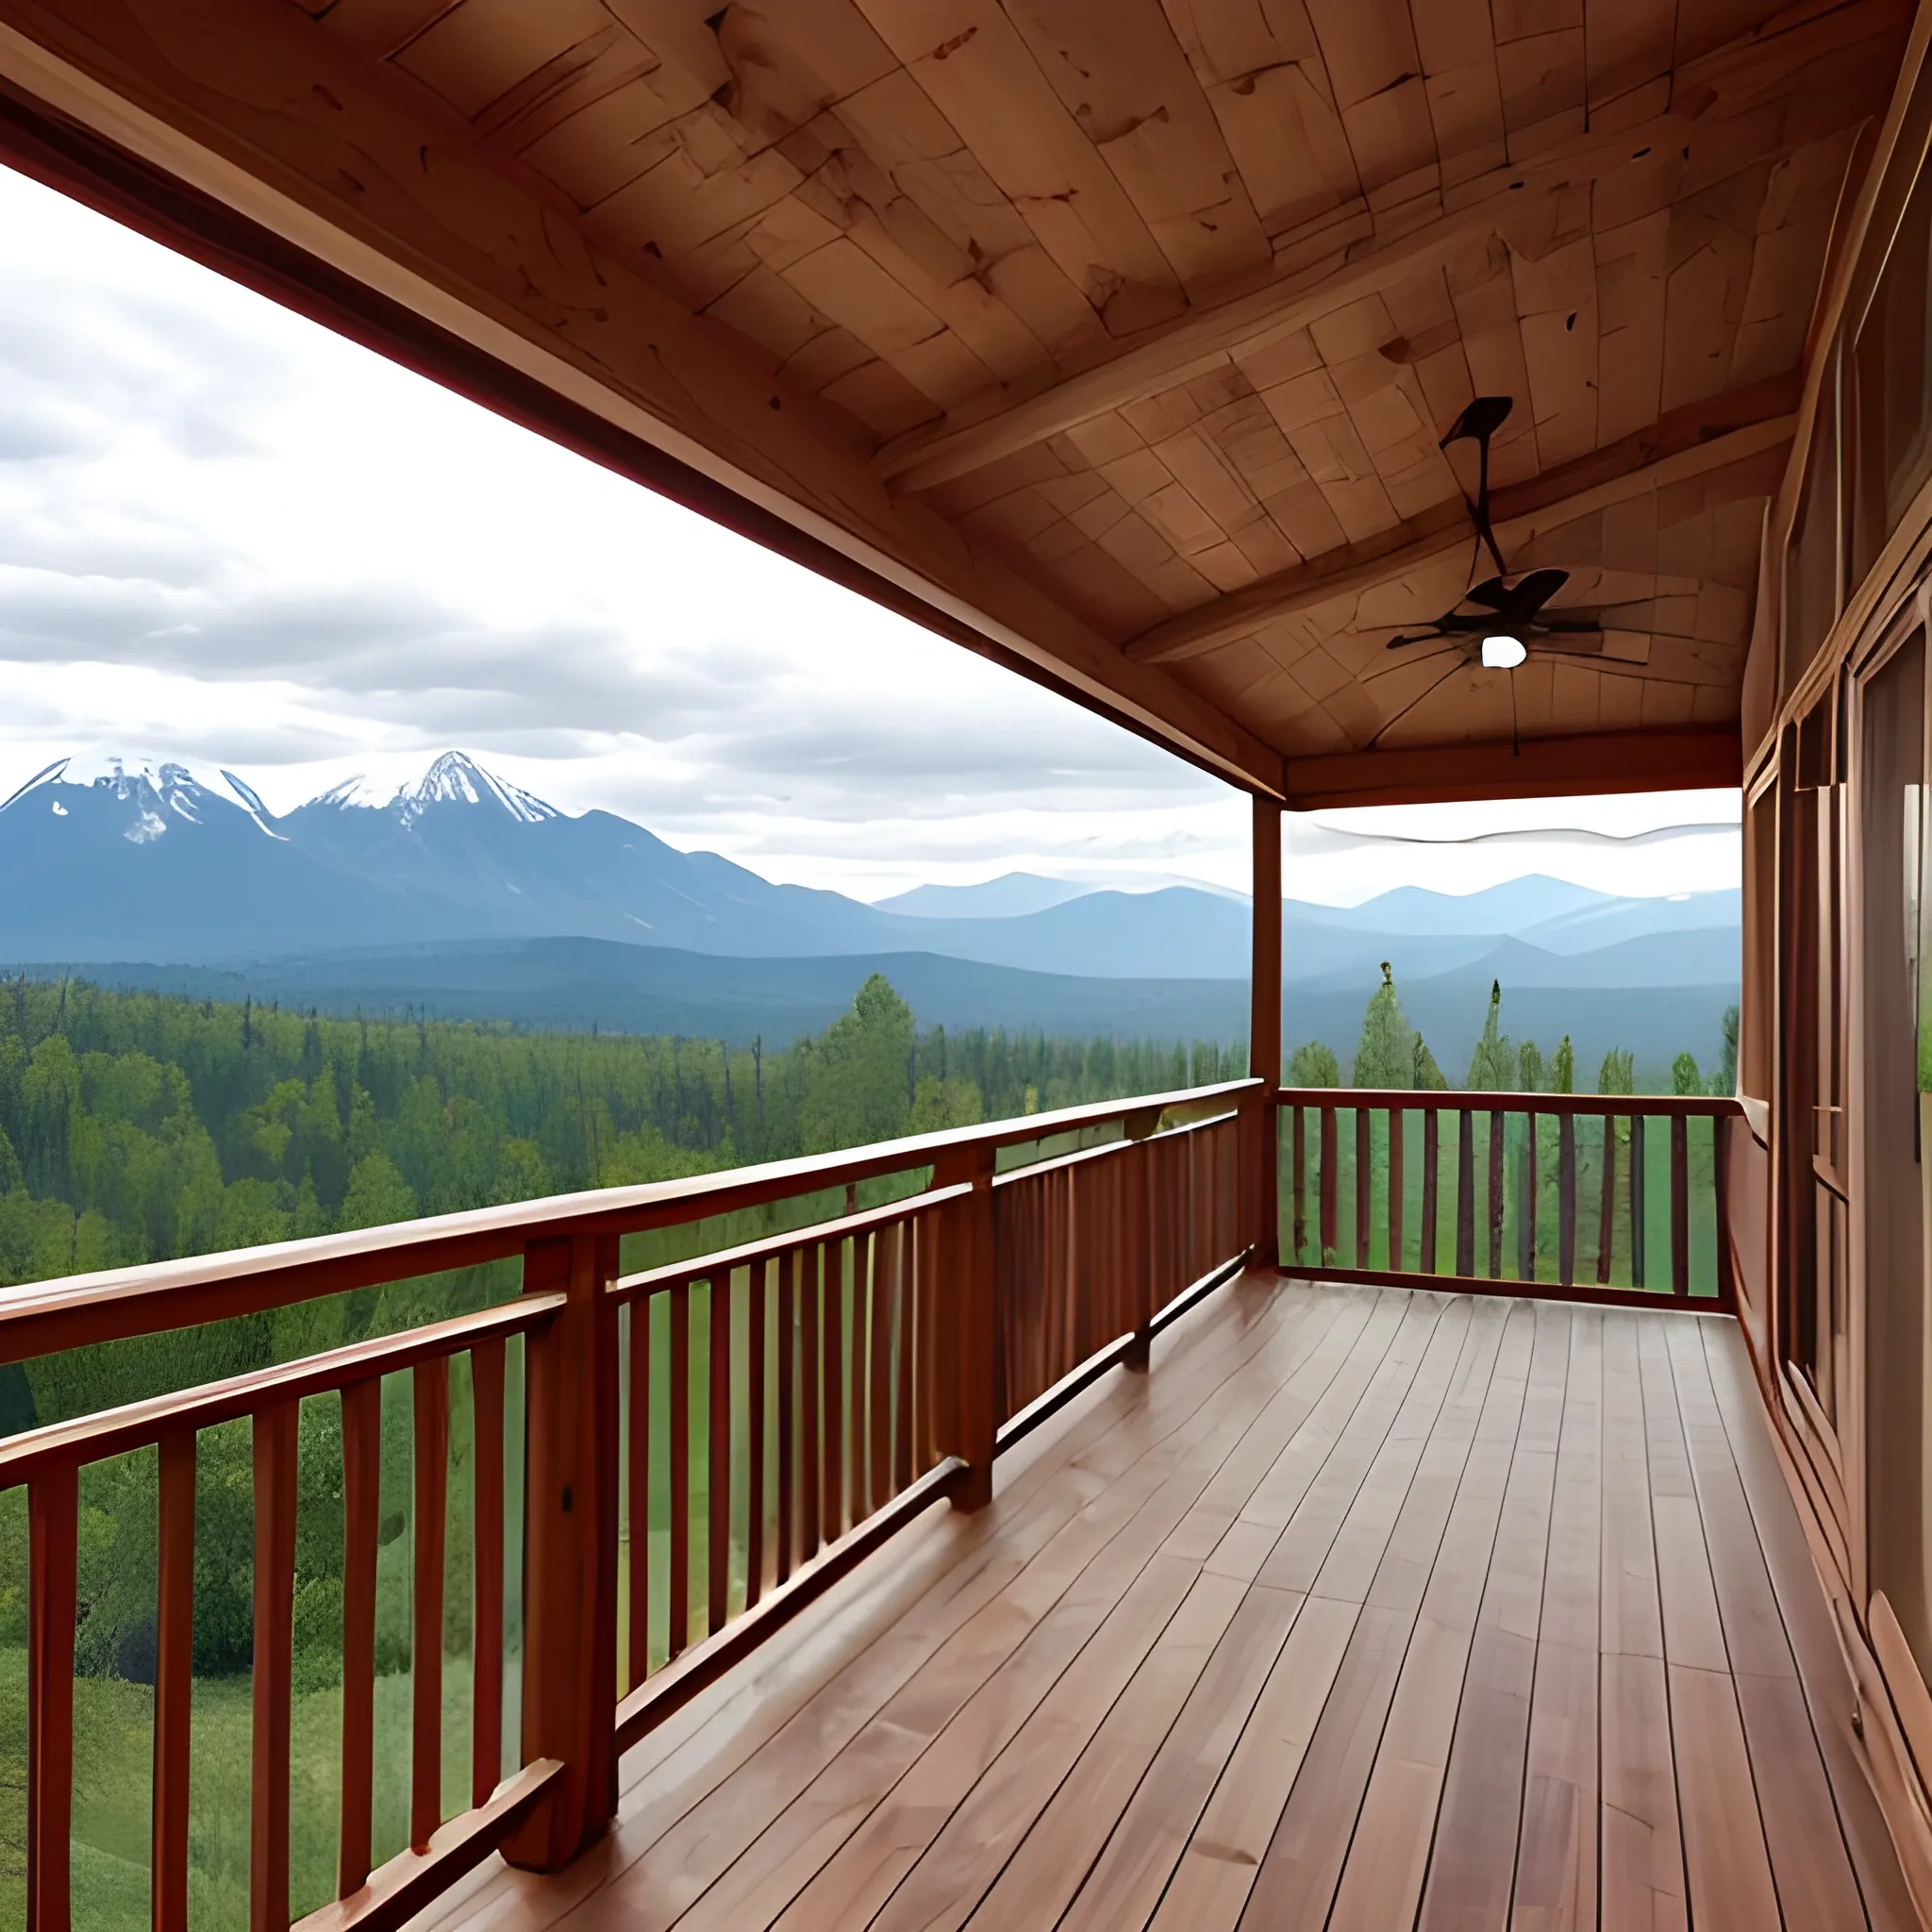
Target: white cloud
[(229, 536)]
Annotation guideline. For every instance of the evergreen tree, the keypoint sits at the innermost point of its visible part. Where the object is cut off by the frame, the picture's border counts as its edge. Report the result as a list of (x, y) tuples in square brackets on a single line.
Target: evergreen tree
[(1428, 1078), (1492, 1066), (1725, 1080), (1312, 1065), (1618, 1074), (1563, 1068), (1386, 1055), (1530, 1070), (1685, 1079)]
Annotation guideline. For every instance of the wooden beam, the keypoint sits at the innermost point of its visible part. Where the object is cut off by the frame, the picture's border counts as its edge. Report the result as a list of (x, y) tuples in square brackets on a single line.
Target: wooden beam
[(1690, 442), (1662, 760), (1733, 79), (635, 383)]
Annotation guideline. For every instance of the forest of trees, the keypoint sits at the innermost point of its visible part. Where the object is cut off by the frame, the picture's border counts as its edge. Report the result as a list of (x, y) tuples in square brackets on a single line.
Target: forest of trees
[(1393, 1054)]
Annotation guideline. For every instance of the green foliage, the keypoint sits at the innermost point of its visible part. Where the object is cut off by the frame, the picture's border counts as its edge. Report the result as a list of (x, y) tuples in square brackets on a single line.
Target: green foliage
[(1530, 1070), (1618, 1074), (861, 1076), (1563, 1068), (1386, 1055), (1429, 1077), (1492, 1066), (1312, 1065), (1724, 1081), (1685, 1079)]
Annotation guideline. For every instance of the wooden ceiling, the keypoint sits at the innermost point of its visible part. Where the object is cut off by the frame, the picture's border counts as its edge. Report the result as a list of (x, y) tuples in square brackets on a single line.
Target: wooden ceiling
[(1115, 337)]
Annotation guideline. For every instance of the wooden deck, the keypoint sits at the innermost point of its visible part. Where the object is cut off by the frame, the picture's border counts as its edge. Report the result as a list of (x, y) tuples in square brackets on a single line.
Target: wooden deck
[(1365, 1609)]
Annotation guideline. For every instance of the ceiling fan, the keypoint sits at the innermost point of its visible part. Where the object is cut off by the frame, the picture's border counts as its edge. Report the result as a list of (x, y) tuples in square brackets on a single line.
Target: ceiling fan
[(1509, 618)]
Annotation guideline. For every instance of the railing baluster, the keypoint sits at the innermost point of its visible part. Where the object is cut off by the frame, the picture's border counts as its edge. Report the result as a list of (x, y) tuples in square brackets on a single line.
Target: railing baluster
[(431, 1390), (361, 1525), (1496, 1165), (485, 1648), (638, 1640), (174, 1679), (879, 1400), (1299, 1162), (1396, 1119), (757, 1307), (1465, 1193), (1532, 1126), (899, 1239), (788, 1395), (1680, 1204), (1721, 1189), (835, 1257), (680, 1468), (811, 1445), (54, 1530), (1327, 1181), (1637, 1216), (1566, 1198), (718, 1463), (1364, 1175), (274, 1605), (1432, 1163), (1606, 1220)]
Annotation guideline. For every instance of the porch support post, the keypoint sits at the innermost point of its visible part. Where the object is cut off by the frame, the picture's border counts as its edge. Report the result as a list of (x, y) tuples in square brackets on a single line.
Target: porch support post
[(970, 1322), (1262, 1208), (570, 1550)]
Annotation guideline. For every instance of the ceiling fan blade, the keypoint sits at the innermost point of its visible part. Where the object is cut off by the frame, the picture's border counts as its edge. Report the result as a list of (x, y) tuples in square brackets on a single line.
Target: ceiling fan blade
[(1481, 420), (1529, 594), (1492, 592)]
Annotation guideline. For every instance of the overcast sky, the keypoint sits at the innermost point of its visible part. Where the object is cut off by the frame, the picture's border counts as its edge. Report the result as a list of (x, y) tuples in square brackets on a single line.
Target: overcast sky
[(231, 538)]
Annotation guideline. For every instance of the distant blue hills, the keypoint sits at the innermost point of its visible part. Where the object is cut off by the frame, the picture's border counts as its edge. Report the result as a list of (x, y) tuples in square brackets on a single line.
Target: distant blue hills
[(464, 894)]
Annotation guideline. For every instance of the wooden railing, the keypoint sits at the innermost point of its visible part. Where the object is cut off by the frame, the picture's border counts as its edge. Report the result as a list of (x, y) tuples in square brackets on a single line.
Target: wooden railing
[(1595, 1198), (705, 1448)]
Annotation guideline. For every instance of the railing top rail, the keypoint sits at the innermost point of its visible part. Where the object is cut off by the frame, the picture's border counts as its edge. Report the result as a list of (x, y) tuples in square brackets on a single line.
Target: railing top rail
[(114, 1431), (1036, 1168), (40, 1317), (769, 1248), (1469, 1100)]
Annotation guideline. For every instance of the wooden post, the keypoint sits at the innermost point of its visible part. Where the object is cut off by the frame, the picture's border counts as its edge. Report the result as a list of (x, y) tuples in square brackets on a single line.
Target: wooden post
[(969, 1321), (570, 1550), (1720, 1165), (1432, 1160), (1139, 1223), (1258, 1124), (1465, 1193), (174, 1679)]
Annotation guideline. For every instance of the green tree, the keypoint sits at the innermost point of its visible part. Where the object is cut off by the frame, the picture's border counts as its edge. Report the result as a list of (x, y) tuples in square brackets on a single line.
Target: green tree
[(1492, 1065), (1725, 1080), (855, 1091), (940, 1105), (1530, 1070), (1563, 1068), (1385, 1056), (1685, 1079), (1428, 1078), (1618, 1074), (1312, 1065), (377, 1194)]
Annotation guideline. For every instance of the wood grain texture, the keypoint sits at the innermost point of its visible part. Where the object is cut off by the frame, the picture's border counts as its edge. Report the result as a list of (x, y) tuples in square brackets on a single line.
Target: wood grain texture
[(1353, 1610)]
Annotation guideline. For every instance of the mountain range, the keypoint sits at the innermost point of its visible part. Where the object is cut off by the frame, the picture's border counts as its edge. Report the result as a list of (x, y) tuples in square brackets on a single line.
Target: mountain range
[(453, 893)]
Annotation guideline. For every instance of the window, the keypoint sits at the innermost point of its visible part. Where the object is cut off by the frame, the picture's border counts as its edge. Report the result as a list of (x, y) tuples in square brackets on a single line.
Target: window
[(1893, 371)]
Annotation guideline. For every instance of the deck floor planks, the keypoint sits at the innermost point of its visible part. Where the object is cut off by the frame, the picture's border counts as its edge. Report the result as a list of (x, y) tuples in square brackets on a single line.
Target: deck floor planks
[(1043, 1603), (1390, 1610), (1472, 1870), (1640, 1842)]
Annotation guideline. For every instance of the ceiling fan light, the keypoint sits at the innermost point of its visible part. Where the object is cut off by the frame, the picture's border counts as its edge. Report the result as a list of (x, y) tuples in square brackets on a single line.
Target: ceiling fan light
[(1503, 652)]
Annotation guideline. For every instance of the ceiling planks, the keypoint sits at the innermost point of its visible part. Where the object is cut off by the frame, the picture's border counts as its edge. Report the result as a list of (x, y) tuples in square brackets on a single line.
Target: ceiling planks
[(1117, 338)]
